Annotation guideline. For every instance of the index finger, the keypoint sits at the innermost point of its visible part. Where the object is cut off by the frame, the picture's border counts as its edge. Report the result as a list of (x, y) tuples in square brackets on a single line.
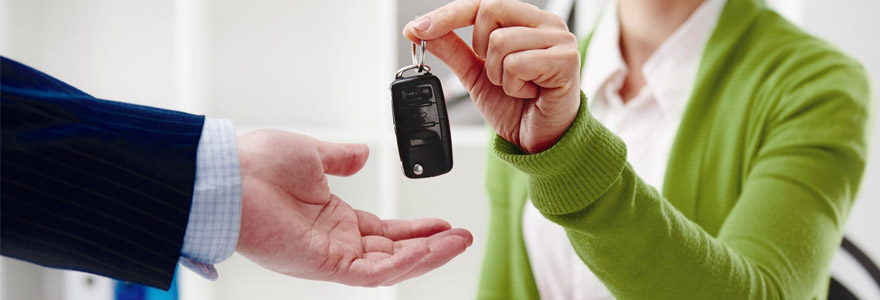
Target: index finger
[(439, 22), (485, 15)]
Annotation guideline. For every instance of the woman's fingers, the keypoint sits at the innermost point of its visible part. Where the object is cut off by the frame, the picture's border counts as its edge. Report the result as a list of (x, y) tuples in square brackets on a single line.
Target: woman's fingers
[(494, 14), (514, 83), (459, 57), (504, 41), (518, 51), (487, 16), (501, 27), (550, 70)]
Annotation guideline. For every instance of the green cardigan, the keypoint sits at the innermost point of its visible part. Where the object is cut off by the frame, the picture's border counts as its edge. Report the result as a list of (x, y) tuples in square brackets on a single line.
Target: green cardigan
[(763, 173)]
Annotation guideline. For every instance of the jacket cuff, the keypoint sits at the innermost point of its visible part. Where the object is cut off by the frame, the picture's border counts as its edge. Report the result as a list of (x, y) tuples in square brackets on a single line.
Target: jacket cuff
[(574, 172)]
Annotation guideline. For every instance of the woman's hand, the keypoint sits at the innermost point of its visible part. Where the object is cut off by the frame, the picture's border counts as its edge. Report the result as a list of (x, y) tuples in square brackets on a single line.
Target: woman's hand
[(523, 70)]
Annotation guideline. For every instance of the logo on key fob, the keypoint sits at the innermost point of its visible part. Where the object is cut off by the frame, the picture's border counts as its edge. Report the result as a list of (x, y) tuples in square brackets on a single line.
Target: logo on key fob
[(420, 122)]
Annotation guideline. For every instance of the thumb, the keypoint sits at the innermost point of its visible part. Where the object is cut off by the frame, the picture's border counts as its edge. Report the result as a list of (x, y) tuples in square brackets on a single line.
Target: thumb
[(342, 159)]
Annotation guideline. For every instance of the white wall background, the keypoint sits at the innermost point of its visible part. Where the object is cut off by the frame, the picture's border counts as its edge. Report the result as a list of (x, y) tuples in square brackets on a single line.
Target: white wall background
[(321, 68)]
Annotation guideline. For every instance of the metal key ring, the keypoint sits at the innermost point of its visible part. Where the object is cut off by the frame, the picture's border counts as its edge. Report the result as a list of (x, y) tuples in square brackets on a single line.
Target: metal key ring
[(419, 60), (421, 68)]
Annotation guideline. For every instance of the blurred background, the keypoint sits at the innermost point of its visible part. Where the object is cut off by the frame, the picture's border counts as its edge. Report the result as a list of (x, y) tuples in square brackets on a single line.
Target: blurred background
[(323, 68)]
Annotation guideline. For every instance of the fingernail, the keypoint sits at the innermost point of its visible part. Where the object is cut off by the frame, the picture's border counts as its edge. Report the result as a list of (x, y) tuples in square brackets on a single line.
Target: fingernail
[(423, 23)]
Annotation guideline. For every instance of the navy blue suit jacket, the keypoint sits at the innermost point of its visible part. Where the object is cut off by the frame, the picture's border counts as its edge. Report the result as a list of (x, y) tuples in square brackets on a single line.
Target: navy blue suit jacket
[(93, 185)]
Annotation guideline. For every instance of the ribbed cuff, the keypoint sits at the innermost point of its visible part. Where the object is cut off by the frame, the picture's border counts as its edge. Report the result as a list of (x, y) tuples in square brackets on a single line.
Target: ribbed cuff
[(577, 170)]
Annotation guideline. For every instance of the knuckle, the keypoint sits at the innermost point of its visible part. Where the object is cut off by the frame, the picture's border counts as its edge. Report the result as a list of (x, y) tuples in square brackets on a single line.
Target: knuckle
[(497, 39), (484, 15), (494, 77), (570, 38), (492, 9), (509, 89), (554, 20), (570, 54), (513, 64), (491, 5), (567, 70)]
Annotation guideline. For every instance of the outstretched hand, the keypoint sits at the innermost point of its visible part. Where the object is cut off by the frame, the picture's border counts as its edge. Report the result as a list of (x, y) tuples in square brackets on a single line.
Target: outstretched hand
[(523, 70), (292, 224)]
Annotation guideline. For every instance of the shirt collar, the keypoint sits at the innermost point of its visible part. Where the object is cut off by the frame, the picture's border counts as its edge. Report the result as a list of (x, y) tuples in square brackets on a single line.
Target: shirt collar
[(669, 73)]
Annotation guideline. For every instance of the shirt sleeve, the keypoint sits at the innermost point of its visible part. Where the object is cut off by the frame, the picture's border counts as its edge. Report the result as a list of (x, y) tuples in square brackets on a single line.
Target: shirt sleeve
[(215, 216)]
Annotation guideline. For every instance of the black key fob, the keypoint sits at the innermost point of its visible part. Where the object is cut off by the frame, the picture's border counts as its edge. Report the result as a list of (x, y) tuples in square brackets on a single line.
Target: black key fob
[(421, 125)]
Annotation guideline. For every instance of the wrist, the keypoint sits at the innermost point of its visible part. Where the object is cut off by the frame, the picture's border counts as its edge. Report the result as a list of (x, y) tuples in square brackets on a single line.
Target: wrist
[(575, 171), (556, 128), (245, 162)]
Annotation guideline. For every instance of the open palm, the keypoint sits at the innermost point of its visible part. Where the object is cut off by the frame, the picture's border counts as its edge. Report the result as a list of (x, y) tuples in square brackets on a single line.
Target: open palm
[(293, 224)]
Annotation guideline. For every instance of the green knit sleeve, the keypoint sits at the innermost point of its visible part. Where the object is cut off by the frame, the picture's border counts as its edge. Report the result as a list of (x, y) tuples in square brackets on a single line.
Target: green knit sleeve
[(776, 242)]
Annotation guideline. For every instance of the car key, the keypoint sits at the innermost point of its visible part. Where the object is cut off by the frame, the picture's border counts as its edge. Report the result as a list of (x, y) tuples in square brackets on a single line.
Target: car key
[(420, 122)]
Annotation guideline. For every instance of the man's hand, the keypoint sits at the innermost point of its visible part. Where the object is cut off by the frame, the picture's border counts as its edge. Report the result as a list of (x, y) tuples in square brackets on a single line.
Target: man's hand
[(522, 72), (292, 224)]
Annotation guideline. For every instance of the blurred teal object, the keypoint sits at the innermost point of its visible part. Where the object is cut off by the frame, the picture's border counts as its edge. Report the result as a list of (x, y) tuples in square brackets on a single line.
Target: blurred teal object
[(133, 291)]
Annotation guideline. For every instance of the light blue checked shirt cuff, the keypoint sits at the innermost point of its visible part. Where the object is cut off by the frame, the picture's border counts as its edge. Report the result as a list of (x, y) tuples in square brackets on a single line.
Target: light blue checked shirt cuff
[(215, 216)]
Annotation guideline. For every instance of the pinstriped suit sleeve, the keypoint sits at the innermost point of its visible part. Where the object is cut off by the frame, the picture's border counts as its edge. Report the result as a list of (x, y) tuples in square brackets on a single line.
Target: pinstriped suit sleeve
[(93, 185)]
